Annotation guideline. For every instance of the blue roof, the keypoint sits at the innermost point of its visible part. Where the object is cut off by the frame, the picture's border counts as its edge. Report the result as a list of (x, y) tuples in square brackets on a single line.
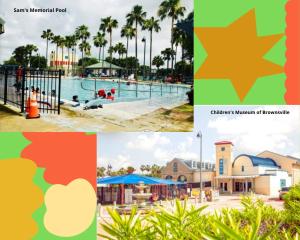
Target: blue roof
[(135, 179), (258, 161)]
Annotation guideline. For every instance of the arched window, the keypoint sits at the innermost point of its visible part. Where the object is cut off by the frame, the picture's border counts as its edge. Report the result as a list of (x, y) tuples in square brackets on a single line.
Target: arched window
[(175, 167), (221, 166), (169, 177), (243, 168), (182, 178)]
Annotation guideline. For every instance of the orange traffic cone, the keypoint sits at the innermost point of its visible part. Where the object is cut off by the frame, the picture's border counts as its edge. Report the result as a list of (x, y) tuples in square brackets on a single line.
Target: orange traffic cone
[(33, 110)]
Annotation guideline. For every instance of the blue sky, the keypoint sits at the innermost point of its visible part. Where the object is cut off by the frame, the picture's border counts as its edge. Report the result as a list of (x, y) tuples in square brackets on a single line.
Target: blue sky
[(250, 134)]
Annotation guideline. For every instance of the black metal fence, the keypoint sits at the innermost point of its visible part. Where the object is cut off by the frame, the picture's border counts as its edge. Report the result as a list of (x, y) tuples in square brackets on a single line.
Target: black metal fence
[(18, 84)]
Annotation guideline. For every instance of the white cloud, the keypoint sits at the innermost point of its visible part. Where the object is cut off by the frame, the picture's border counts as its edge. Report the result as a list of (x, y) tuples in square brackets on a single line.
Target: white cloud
[(254, 133), (148, 141), (117, 162)]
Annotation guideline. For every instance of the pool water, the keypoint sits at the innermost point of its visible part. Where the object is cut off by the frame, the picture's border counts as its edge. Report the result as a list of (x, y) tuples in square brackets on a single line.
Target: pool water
[(84, 89)]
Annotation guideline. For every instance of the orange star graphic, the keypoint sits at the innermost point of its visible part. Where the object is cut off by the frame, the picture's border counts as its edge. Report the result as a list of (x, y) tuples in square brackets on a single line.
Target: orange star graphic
[(236, 52)]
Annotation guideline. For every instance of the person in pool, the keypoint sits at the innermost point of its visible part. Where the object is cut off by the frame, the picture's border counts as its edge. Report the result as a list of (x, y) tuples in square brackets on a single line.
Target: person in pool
[(110, 96)]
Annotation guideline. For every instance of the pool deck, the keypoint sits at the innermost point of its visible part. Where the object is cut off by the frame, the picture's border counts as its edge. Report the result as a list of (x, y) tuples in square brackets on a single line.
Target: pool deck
[(144, 115)]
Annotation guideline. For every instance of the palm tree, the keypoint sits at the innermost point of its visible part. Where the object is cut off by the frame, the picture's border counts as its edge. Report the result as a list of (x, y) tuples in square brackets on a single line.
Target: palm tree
[(48, 34), (29, 49), (174, 10), (69, 41), (158, 61), (143, 168), (168, 54), (128, 32), (56, 40), (136, 16), (83, 34), (120, 49), (99, 40), (107, 25), (61, 44), (101, 171), (151, 24), (74, 47), (103, 46), (85, 48), (178, 39)]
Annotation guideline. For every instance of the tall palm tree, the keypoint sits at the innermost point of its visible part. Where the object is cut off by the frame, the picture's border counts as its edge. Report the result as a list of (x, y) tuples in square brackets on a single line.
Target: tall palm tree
[(99, 40), (85, 48), (179, 37), (61, 44), (73, 40), (168, 54), (137, 17), (151, 25), (29, 49), (48, 34), (69, 44), (56, 40), (157, 61), (174, 10), (107, 25), (128, 32), (83, 34), (103, 50), (120, 49)]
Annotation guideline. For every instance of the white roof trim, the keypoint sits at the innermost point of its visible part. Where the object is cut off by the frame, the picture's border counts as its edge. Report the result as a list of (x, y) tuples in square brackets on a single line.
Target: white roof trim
[(237, 177)]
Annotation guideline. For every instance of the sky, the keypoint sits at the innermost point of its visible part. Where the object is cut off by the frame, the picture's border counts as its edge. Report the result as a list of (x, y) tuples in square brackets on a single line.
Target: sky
[(25, 28), (250, 134)]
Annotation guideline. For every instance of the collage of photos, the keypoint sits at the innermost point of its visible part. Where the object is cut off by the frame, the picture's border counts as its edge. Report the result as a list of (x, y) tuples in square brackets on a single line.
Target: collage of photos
[(111, 128)]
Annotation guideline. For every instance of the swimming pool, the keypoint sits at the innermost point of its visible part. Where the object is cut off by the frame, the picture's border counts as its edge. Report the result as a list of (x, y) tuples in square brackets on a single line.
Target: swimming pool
[(84, 89)]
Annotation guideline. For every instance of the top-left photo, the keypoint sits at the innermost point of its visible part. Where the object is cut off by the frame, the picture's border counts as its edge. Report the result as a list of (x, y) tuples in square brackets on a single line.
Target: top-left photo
[(96, 65)]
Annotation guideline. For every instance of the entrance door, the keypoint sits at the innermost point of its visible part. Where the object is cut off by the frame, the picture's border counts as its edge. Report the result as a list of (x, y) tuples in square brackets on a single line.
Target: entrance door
[(225, 187)]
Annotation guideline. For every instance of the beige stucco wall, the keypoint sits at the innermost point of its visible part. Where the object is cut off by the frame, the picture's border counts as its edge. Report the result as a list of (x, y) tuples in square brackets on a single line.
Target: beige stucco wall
[(248, 167), (226, 155), (206, 176), (288, 164), (182, 170), (296, 176), (262, 185)]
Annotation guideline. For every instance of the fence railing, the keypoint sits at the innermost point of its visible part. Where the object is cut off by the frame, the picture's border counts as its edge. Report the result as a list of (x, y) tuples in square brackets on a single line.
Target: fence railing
[(18, 84)]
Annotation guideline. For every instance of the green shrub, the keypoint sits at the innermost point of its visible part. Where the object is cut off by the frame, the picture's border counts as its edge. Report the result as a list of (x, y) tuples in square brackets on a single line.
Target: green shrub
[(292, 204), (256, 220)]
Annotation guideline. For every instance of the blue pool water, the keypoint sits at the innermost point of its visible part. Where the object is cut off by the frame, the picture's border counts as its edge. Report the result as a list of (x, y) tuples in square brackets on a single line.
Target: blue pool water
[(71, 87)]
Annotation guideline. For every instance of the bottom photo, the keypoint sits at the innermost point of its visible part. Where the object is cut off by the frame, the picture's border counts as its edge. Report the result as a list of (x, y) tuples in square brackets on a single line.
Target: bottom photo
[(237, 176)]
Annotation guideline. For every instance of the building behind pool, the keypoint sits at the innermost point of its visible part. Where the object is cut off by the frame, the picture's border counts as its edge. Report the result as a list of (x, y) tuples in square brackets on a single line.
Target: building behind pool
[(265, 173)]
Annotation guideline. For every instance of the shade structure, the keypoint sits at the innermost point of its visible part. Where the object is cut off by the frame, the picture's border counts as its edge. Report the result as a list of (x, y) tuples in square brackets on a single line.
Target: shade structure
[(103, 65), (136, 179)]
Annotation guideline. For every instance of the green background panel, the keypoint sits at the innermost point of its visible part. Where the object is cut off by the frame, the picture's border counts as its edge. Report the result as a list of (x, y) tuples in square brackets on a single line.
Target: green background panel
[(270, 17)]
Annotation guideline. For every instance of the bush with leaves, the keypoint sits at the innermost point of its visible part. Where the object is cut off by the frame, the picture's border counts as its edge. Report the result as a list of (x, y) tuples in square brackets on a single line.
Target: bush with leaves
[(256, 220)]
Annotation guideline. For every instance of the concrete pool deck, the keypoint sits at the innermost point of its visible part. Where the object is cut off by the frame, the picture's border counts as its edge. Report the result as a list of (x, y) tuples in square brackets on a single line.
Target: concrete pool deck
[(132, 116)]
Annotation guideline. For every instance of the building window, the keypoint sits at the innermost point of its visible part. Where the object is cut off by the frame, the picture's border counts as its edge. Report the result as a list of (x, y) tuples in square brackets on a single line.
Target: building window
[(243, 168), (175, 167), (182, 178), (222, 149), (169, 177), (282, 183), (221, 166)]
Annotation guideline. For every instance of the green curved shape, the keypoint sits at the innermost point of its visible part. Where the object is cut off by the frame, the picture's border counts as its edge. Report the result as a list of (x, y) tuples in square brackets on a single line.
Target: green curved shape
[(12, 144)]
